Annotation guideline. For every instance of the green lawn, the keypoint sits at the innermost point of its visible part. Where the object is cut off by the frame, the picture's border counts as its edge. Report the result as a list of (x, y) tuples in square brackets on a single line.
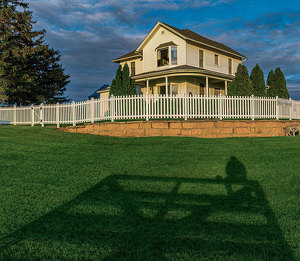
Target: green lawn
[(76, 196)]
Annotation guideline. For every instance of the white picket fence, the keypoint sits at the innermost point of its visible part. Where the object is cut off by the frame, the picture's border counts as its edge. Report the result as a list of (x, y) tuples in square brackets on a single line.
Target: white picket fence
[(153, 107)]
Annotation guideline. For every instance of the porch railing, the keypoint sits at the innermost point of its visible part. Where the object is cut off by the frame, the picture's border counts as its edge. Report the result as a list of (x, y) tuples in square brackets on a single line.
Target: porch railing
[(153, 107)]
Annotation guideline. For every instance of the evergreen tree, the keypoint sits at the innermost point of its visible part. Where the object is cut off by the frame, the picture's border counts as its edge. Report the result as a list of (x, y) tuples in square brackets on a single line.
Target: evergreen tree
[(122, 84), (29, 70), (270, 83), (112, 89), (258, 81), (241, 85), (132, 88), (280, 84), (126, 83), (119, 82)]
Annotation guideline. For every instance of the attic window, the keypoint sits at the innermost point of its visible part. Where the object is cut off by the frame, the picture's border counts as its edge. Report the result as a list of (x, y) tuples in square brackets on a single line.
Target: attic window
[(162, 32)]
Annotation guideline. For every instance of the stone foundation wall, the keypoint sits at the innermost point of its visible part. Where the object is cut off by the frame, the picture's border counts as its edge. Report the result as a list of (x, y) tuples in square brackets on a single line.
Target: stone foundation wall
[(190, 128)]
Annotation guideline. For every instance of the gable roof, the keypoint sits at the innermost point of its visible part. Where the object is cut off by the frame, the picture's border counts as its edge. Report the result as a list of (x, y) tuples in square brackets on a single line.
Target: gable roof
[(166, 45), (199, 38), (187, 35), (128, 55)]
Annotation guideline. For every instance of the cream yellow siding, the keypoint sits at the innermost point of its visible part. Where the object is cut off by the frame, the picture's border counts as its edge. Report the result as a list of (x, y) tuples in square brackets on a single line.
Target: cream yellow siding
[(209, 60), (160, 36), (138, 65), (192, 56)]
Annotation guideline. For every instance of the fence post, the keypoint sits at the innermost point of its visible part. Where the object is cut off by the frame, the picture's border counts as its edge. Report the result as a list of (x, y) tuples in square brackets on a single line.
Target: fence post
[(220, 107), (252, 107), (147, 106), (291, 109), (92, 102), (42, 115), (15, 115), (112, 107), (277, 108), (73, 113), (32, 115), (185, 106), (57, 115)]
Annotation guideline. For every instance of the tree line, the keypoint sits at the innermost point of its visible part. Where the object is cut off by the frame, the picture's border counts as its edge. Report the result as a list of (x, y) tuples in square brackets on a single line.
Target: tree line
[(30, 71), (245, 85), (242, 85)]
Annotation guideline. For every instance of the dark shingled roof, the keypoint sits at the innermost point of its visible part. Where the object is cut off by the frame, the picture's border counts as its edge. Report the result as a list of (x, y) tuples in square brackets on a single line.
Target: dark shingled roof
[(193, 37), (182, 68), (199, 38), (95, 94), (166, 44), (128, 55)]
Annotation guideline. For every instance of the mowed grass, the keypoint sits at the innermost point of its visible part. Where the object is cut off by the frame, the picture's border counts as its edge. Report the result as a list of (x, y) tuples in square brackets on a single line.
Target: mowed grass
[(78, 196)]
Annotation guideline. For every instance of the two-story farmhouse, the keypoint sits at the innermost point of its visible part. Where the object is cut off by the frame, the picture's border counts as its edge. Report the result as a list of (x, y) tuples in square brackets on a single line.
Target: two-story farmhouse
[(174, 61)]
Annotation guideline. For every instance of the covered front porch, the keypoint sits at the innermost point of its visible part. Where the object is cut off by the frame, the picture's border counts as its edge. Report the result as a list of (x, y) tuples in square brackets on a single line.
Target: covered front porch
[(182, 82)]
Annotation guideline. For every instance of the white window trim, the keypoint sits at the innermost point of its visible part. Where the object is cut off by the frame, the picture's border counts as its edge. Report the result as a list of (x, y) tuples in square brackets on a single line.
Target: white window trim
[(170, 58), (199, 58), (170, 55)]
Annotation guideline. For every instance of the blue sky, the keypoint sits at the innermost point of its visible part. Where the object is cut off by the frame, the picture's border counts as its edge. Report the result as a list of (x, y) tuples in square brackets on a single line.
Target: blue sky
[(90, 34)]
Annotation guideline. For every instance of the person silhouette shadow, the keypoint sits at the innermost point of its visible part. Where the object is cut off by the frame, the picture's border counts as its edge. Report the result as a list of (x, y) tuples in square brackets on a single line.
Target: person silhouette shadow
[(237, 185)]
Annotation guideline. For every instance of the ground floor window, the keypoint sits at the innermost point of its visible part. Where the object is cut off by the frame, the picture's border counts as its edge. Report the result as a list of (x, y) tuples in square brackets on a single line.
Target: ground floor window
[(217, 91), (174, 89), (202, 89), (162, 89)]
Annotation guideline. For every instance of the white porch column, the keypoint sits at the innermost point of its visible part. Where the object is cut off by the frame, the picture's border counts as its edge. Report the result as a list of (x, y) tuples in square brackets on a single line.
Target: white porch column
[(225, 87), (206, 85), (167, 89), (147, 86)]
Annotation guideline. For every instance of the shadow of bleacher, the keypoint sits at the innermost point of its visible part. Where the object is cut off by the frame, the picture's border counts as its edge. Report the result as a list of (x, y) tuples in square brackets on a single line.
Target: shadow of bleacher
[(132, 217)]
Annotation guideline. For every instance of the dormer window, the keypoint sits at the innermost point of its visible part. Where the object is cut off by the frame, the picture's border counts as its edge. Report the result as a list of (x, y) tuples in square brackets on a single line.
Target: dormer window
[(162, 57), (167, 54)]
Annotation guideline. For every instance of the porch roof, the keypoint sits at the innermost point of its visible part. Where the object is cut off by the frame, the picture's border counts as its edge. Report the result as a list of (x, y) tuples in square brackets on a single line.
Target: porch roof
[(182, 69)]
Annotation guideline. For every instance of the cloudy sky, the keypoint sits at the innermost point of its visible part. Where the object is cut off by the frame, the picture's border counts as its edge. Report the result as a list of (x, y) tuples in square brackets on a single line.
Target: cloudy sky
[(90, 34)]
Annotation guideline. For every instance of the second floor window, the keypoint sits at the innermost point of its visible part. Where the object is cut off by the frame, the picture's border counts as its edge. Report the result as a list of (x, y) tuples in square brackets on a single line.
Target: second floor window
[(201, 58), (163, 57), (216, 59), (173, 55), (132, 68), (229, 66)]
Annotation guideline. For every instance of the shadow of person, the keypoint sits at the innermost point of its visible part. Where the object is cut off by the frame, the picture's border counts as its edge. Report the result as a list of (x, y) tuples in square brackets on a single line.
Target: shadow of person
[(236, 175)]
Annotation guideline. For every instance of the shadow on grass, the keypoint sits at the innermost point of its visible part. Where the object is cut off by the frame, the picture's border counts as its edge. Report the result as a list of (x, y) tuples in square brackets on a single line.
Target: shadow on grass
[(132, 217)]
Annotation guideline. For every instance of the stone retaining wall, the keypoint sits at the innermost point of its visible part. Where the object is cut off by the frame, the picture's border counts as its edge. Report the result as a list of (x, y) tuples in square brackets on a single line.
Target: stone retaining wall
[(190, 128)]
